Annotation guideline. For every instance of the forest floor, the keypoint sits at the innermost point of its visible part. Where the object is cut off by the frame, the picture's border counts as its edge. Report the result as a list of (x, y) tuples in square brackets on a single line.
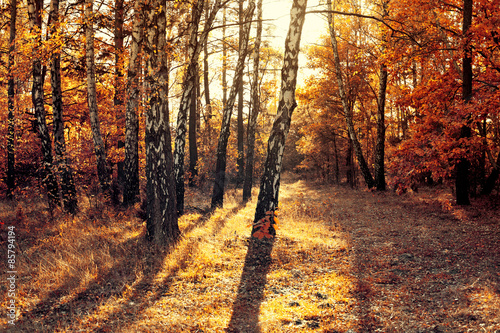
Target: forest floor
[(345, 261)]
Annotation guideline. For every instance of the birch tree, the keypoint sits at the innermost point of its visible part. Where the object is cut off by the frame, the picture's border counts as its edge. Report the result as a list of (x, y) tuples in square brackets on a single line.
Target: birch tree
[(189, 86), (131, 162), (48, 178), (99, 148), (254, 111), (161, 224), (270, 182), (220, 168), (68, 190)]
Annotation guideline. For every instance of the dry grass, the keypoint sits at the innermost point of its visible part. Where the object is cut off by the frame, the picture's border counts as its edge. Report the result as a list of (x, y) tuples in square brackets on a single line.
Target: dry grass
[(343, 261)]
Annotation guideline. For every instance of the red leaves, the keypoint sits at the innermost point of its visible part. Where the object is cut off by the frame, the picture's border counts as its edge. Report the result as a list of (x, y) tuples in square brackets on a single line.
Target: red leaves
[(262, 227)]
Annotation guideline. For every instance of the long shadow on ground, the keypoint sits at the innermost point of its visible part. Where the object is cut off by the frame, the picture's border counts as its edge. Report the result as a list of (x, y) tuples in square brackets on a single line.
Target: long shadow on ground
[(246, 308), (136, 288)]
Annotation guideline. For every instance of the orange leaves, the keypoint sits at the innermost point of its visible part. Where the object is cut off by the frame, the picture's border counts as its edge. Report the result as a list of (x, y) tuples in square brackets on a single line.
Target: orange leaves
[(265, 227)]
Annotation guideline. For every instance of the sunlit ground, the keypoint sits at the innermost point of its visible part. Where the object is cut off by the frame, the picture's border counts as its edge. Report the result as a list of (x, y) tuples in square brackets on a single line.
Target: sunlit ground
[(343, 260)]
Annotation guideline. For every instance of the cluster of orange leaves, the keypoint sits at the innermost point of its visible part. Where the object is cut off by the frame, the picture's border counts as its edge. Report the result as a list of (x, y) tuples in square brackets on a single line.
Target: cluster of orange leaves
[(262, 227)]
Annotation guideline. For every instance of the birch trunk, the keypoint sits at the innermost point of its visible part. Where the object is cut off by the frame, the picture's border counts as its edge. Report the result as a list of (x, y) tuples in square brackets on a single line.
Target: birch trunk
[(131, 162), (11, 159), (99, 148), (254, 112), (48, 178), (68, 190), (365, 171), (220, 168), (270, 182), (193, 121), (189, 87), (162, 226)]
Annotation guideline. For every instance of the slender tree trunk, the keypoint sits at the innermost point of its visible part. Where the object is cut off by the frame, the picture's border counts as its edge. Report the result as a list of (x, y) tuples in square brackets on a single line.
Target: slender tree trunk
[(255, 109), (206, 83), (131, 162), (189, 88), (119, 99), (224, 60), (193, 120), (162, 226), (11, 159), (380, 143), (220, 167), (463, 165), (270, 182), (336, 151), (34, 8), (240, 160), (65, 172), (99, 148), (379, 167), (347, 108)]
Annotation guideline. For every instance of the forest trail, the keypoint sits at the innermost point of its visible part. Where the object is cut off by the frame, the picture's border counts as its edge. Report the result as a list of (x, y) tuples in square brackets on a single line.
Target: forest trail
[(343, 261)]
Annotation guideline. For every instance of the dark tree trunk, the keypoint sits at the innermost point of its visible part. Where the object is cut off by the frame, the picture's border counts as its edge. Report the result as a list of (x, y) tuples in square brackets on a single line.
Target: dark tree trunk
[(48, 178), (162, 226), (11, 161), (119, 99), (255, 109), (206, 84), (463, 165), (336, 152), (131, 163), (490, 182), (380, 144), (379, 168), (270, 182), (64, 170), (365, 171), (240, 160), (99, 148), (220, 167)]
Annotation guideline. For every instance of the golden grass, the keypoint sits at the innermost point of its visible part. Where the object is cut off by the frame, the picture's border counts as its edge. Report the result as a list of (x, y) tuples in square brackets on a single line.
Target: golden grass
[(342, 260)]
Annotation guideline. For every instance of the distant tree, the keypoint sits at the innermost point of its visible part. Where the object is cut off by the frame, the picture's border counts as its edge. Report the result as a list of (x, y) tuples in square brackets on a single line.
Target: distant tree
[(189, 88), (220, 167), (270, 182), (68, 190), (363, 165), (240, 160), (255, 109), (162, 226), (99, 148)]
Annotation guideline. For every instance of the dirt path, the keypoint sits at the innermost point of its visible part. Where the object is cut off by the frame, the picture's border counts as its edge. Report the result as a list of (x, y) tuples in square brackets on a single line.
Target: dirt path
[(416, 263)]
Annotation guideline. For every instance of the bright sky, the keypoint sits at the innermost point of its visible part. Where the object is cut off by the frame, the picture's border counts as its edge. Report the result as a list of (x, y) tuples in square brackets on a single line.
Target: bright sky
[(278, 14)]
